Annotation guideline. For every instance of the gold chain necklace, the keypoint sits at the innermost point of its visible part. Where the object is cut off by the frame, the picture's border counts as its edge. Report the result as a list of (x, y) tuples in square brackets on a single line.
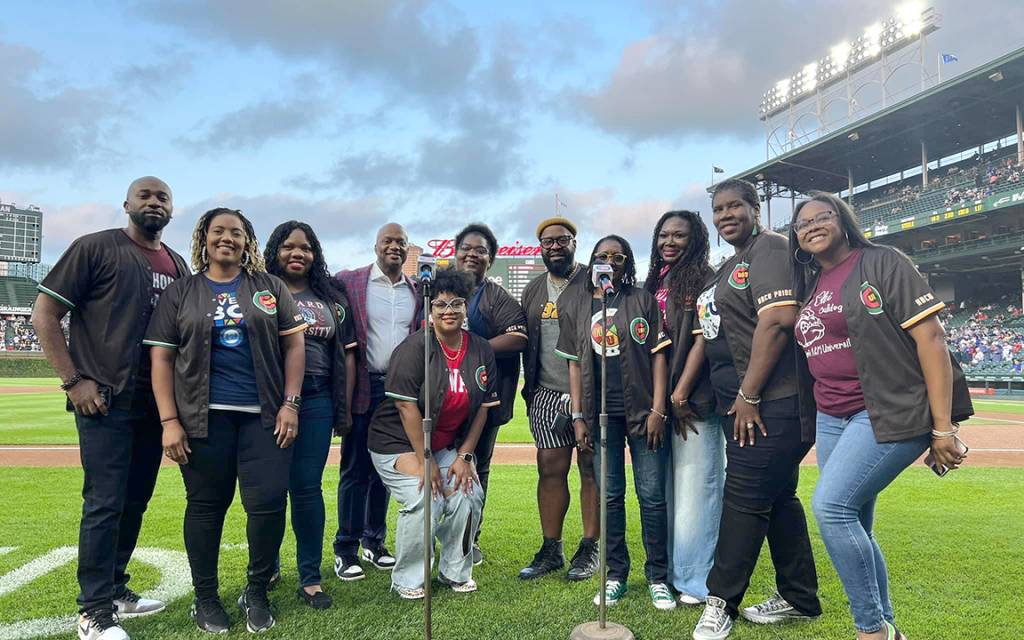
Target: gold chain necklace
[(560, 288), (444, 349)]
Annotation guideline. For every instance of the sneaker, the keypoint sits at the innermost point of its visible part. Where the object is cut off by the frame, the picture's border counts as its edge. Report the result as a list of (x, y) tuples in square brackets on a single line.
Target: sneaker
[(478, 555), (348, 568), (469, 586), (714, 623), (379, 557), (661, 596), (549, 558), (210, 615), (613, 590), (583, 565), (100, 624), (318, 600), (274, 581), (686, 599), (132, 605), (255, 606), (406, 593), (773, 611)]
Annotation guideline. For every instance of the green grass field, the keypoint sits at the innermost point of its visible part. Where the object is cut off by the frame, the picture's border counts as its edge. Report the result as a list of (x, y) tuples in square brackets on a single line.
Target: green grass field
[(955, 550)]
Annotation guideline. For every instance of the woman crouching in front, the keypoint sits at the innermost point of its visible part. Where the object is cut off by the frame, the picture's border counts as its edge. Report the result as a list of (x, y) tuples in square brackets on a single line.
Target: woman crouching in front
[(460, 393)]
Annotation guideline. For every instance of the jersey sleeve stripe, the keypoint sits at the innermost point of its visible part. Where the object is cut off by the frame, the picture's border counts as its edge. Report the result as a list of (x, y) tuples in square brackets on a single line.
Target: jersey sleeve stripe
[(55, 295), (938, 306)]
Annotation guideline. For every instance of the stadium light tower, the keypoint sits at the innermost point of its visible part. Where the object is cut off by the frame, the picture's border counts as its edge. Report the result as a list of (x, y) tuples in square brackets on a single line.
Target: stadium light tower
[(809, 104)]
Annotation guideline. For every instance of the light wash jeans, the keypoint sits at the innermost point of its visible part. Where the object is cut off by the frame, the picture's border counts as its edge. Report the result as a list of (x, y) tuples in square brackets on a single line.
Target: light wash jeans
[(854, 470), (449, 518), (696, 488)]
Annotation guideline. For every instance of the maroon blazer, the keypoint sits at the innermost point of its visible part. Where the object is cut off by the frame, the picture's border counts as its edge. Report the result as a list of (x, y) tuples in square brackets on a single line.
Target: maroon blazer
[(358, 281)]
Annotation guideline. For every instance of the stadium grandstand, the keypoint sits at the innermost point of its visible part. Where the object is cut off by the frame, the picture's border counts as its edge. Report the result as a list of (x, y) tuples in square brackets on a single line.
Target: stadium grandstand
[(20, 272), (940, 175)]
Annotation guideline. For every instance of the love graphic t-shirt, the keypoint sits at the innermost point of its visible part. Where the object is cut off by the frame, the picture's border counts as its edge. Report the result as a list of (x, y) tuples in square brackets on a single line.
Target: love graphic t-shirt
[(232, 381), (822, 332), (455, 408), (616, 402)]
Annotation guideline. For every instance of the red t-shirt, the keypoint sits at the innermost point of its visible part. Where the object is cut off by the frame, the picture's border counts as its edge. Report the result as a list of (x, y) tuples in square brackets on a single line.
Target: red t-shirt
[(164, 273), (822, 331), (455, 408)]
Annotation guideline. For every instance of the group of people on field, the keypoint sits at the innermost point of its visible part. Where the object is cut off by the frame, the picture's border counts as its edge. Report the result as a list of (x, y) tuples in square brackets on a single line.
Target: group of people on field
[(241, 364)]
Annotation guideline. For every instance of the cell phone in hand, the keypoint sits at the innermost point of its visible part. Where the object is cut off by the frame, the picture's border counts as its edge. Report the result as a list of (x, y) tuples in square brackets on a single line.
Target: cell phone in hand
[(941, 469), (104, 393)]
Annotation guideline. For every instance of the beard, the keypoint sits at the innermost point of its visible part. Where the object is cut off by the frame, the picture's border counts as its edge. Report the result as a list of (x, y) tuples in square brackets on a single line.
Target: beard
[(560, 269), (150, 223)]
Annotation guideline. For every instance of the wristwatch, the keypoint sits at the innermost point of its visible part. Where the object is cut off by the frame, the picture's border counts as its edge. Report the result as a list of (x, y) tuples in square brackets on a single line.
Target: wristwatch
[(468, 457), (296, 400), (577, 416)]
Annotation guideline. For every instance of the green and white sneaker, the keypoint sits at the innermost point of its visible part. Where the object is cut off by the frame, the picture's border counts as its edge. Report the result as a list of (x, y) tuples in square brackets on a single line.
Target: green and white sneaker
[(613, 590), (661, 596)]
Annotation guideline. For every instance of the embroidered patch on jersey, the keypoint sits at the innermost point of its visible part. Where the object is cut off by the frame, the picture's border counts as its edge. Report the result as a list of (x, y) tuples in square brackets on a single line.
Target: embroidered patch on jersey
[(265, 302), (740, 276), (481, 378), (639, 330), (341, 313), (871, 298)]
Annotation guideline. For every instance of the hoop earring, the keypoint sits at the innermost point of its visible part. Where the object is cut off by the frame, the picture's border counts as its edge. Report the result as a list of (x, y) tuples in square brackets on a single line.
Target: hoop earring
[(204, 256), (796, 256)]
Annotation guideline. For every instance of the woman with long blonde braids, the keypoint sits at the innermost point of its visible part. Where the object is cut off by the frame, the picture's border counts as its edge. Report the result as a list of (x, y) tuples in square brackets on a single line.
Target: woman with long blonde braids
[(228, 360)]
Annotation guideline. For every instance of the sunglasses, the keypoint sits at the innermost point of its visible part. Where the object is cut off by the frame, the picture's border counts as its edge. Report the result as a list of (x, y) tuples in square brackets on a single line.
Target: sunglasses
[(618, 259), (563, 241), (457, 305)]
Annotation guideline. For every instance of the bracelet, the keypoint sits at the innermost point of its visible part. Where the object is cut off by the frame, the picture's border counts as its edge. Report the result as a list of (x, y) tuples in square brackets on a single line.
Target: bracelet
[(577, 416), (755, 400), (663, 416), (680, 403), (168, 420), (289, 405), (75, 379), (941, 435)]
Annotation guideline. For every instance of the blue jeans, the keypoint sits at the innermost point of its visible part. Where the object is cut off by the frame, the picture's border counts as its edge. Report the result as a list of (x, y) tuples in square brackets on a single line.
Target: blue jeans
[(362, 497), (696, 488), (854, 470), (650, 471), (316, 425)]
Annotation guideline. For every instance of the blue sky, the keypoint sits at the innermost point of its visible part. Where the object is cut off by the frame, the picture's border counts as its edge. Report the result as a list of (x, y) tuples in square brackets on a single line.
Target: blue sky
[(351, 114)]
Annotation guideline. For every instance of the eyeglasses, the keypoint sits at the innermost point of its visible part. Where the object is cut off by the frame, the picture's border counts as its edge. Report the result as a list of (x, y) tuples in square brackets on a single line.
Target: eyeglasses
[(457, 305), (480, 251), (819, 220), (613, 258), (563, 241)]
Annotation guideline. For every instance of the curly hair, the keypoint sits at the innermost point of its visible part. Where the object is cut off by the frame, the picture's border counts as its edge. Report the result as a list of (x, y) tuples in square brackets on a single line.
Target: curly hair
[(483, 230), (324, 286), (628, 269), (252, 259), (686, 274), (452, 280)]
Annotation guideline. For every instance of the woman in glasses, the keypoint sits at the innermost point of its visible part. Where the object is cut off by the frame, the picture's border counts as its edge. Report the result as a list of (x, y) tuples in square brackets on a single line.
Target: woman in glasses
[(461, 391), (746, 315), (679, 268), (493, 314), (883, 389), (634, 341)]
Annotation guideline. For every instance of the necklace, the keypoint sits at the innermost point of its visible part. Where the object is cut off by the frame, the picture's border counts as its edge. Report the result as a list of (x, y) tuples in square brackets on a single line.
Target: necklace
[(561, 287), (462, 339)]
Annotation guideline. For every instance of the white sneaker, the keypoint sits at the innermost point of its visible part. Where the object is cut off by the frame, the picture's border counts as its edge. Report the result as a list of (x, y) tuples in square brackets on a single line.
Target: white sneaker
[(132, 605), (347, 568), (100, 624), (688, 600), (715, 623), (773, 611)]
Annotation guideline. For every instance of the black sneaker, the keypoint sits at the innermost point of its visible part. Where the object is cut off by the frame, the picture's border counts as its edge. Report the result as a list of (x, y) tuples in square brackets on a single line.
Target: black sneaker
[(549, 558), (318, 600), (210, 615), (255, 606), (584, 563), (347, 568), (274, 581), (478, 555), (379, 557)]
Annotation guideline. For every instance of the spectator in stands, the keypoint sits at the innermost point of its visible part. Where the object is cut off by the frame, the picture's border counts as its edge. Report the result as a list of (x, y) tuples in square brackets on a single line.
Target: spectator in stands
[(106, 375), (883, 388), (1016, 366)]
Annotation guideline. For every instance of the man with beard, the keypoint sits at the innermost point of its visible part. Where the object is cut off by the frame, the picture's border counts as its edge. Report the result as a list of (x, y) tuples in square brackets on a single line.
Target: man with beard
[(384, 311), (110, 281), (548, 408)]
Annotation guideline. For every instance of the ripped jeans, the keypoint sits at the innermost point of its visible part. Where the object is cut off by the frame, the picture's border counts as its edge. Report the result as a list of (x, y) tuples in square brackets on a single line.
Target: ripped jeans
[(450, 516)]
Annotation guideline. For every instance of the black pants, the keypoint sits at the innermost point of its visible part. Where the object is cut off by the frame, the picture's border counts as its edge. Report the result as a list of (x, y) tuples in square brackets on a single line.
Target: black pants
[(237, 447), (760, 502), (484, 452), (121, 458)]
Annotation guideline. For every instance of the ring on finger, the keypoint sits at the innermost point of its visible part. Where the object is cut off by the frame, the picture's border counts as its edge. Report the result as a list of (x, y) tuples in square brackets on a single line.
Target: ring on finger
[(750, 425)]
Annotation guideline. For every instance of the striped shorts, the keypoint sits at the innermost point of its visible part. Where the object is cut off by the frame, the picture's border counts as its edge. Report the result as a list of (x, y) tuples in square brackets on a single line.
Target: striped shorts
[(544, 408)]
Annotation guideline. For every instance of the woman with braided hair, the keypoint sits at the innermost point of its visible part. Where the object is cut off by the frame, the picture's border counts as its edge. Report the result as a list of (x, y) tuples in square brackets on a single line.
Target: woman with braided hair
[(680, 253), (228, 359)]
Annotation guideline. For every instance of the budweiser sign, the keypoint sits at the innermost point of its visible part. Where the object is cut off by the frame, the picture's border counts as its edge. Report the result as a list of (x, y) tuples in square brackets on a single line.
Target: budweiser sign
[(446, 249)]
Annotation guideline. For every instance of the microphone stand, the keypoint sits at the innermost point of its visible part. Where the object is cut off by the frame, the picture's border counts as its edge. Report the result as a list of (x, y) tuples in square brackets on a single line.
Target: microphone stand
[(428, 428), (602, 630)]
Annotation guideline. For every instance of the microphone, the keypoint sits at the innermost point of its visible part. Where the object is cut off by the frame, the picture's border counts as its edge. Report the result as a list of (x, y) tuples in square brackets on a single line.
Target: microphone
[(602, 277), (425, 267)]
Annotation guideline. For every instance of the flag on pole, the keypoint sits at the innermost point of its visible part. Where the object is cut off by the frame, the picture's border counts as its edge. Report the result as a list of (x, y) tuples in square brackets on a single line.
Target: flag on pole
[(949, 57), (717, 169), (563, 204)]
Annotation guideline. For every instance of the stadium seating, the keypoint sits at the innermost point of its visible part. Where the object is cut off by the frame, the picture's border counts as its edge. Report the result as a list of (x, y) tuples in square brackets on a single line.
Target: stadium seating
[(17, 292)]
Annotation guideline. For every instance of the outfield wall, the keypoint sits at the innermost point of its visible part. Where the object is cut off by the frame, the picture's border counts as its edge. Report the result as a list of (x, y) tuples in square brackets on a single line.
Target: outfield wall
[(25, 364)]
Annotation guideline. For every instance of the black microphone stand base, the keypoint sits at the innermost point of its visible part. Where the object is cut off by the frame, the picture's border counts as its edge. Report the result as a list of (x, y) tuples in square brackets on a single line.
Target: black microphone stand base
[(593, 631)]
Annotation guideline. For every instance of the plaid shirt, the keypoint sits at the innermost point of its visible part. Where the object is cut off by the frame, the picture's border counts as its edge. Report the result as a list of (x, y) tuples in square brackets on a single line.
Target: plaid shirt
[(358, 281)]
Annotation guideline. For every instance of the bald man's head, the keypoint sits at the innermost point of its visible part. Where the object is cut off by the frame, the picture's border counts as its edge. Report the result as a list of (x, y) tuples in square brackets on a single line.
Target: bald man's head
[(392, 248), (149, 204)]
